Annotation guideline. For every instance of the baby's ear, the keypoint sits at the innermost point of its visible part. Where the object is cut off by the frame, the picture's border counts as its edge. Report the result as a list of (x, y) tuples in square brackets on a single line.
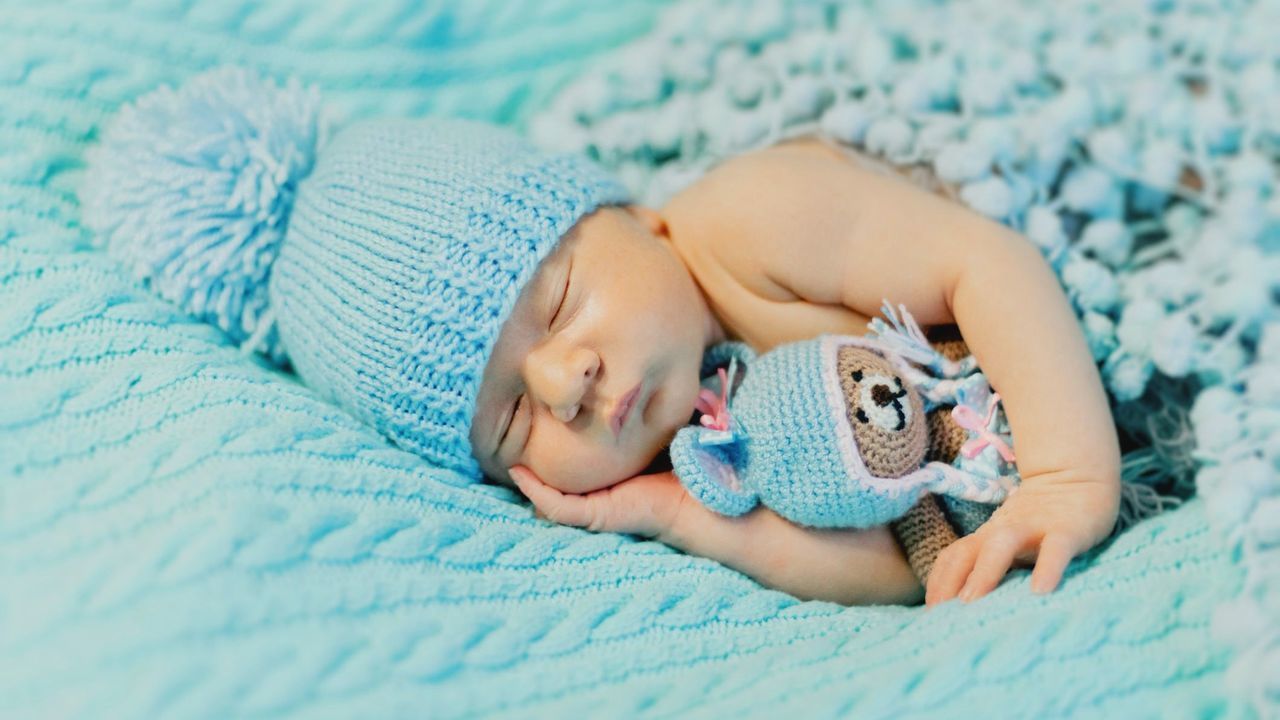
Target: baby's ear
[(708, 474)]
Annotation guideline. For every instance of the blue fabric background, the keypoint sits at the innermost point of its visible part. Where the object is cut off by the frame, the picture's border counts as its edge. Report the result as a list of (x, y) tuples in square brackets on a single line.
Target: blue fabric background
[(184, 532)]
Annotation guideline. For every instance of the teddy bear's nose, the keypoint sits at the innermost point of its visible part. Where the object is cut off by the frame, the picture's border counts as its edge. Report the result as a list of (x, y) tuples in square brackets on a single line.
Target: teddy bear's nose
[(882, 395)]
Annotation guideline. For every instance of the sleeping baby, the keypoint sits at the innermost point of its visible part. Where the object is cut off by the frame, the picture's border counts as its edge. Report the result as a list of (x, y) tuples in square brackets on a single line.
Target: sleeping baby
[(597, 369), (509, 313)]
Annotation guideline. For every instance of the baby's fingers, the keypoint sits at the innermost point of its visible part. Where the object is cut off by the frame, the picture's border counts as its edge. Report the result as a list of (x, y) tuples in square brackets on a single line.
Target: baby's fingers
[(950, 570), (558, 507), (1055, 554), (1001, 546)]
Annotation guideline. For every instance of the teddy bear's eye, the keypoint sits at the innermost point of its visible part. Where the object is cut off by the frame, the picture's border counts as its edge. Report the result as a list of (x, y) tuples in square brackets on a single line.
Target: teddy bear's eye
[(856, 375)]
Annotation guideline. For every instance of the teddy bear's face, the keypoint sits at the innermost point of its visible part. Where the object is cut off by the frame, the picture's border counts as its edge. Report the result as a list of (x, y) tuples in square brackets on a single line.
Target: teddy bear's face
[(886, 414)]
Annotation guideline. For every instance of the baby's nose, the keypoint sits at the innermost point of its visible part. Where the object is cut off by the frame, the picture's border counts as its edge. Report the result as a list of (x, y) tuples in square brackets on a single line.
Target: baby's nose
[(567, 415), (563, 379)]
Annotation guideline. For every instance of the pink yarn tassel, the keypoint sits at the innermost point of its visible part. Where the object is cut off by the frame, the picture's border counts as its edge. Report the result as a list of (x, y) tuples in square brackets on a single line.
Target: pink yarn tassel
[(715, 410)]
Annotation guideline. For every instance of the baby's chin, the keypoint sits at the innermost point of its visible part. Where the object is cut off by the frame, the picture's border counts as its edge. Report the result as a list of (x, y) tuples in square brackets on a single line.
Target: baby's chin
[(659, 464), (659, 456), (655, 458)]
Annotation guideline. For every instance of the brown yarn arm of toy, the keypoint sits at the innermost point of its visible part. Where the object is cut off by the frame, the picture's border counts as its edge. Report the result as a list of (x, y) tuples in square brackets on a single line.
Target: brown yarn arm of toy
[(924, 531)]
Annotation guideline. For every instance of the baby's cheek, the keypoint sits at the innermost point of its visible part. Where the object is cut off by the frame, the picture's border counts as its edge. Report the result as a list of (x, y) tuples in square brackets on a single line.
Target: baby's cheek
[(570, 464)]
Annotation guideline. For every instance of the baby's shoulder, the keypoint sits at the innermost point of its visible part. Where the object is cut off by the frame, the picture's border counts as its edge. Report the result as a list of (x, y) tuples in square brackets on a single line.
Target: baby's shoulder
[(757, 174), (727, 220), (753, 213), (756, 197), (750, 231), (802, 173)]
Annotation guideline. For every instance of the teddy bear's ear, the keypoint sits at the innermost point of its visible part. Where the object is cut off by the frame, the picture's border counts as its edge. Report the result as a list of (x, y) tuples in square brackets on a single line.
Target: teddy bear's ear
[(708, 474)]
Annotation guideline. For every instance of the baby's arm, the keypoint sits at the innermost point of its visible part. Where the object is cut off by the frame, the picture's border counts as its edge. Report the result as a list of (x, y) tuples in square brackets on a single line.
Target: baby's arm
[(1020, 327), (851, 567), (832, 233)]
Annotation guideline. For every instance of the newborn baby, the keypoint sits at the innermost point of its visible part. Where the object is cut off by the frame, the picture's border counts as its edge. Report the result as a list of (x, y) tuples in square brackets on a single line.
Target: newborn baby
[(507, 312), (597, 368)]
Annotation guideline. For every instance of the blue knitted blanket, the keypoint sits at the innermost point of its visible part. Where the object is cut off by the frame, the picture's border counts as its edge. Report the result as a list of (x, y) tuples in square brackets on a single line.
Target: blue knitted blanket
[(185, 532)]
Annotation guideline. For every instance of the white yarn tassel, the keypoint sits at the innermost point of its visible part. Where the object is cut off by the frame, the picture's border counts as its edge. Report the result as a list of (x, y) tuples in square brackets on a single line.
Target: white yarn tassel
[(906, 339), (1139, 502)]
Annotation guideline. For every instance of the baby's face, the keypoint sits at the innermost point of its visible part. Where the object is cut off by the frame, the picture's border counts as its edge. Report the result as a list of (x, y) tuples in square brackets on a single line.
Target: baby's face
[(611, 320)]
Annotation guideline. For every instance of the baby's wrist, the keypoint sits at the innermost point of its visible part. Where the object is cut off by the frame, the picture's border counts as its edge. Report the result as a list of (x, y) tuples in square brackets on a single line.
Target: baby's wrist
[(697, 530), (675, 529)]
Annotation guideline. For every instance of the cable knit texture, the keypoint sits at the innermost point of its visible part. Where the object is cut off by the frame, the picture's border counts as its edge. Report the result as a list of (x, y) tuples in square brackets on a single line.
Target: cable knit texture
[(185, 532)]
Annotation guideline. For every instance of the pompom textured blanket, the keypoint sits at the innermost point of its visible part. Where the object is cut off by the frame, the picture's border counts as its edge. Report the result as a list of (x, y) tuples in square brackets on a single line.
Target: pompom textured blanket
[(184, 532)]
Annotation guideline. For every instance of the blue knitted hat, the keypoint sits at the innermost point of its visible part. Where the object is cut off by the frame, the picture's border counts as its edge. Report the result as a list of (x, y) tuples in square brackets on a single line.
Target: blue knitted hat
[(381, 265)]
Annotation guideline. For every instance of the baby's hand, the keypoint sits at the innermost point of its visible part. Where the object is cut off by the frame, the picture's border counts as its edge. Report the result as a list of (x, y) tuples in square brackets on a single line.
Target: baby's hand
[(1047, 521), (645, 505)]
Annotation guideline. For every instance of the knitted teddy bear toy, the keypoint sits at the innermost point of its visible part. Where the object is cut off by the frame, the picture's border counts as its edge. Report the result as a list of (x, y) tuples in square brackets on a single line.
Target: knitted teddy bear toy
[(851, 432)]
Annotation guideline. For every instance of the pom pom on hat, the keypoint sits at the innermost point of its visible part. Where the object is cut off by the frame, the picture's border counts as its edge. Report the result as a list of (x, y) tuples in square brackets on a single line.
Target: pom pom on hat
[(192, 188)]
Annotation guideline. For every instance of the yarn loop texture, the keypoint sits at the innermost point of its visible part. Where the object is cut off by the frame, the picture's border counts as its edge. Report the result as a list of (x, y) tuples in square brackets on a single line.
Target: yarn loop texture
[(192, 188)]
